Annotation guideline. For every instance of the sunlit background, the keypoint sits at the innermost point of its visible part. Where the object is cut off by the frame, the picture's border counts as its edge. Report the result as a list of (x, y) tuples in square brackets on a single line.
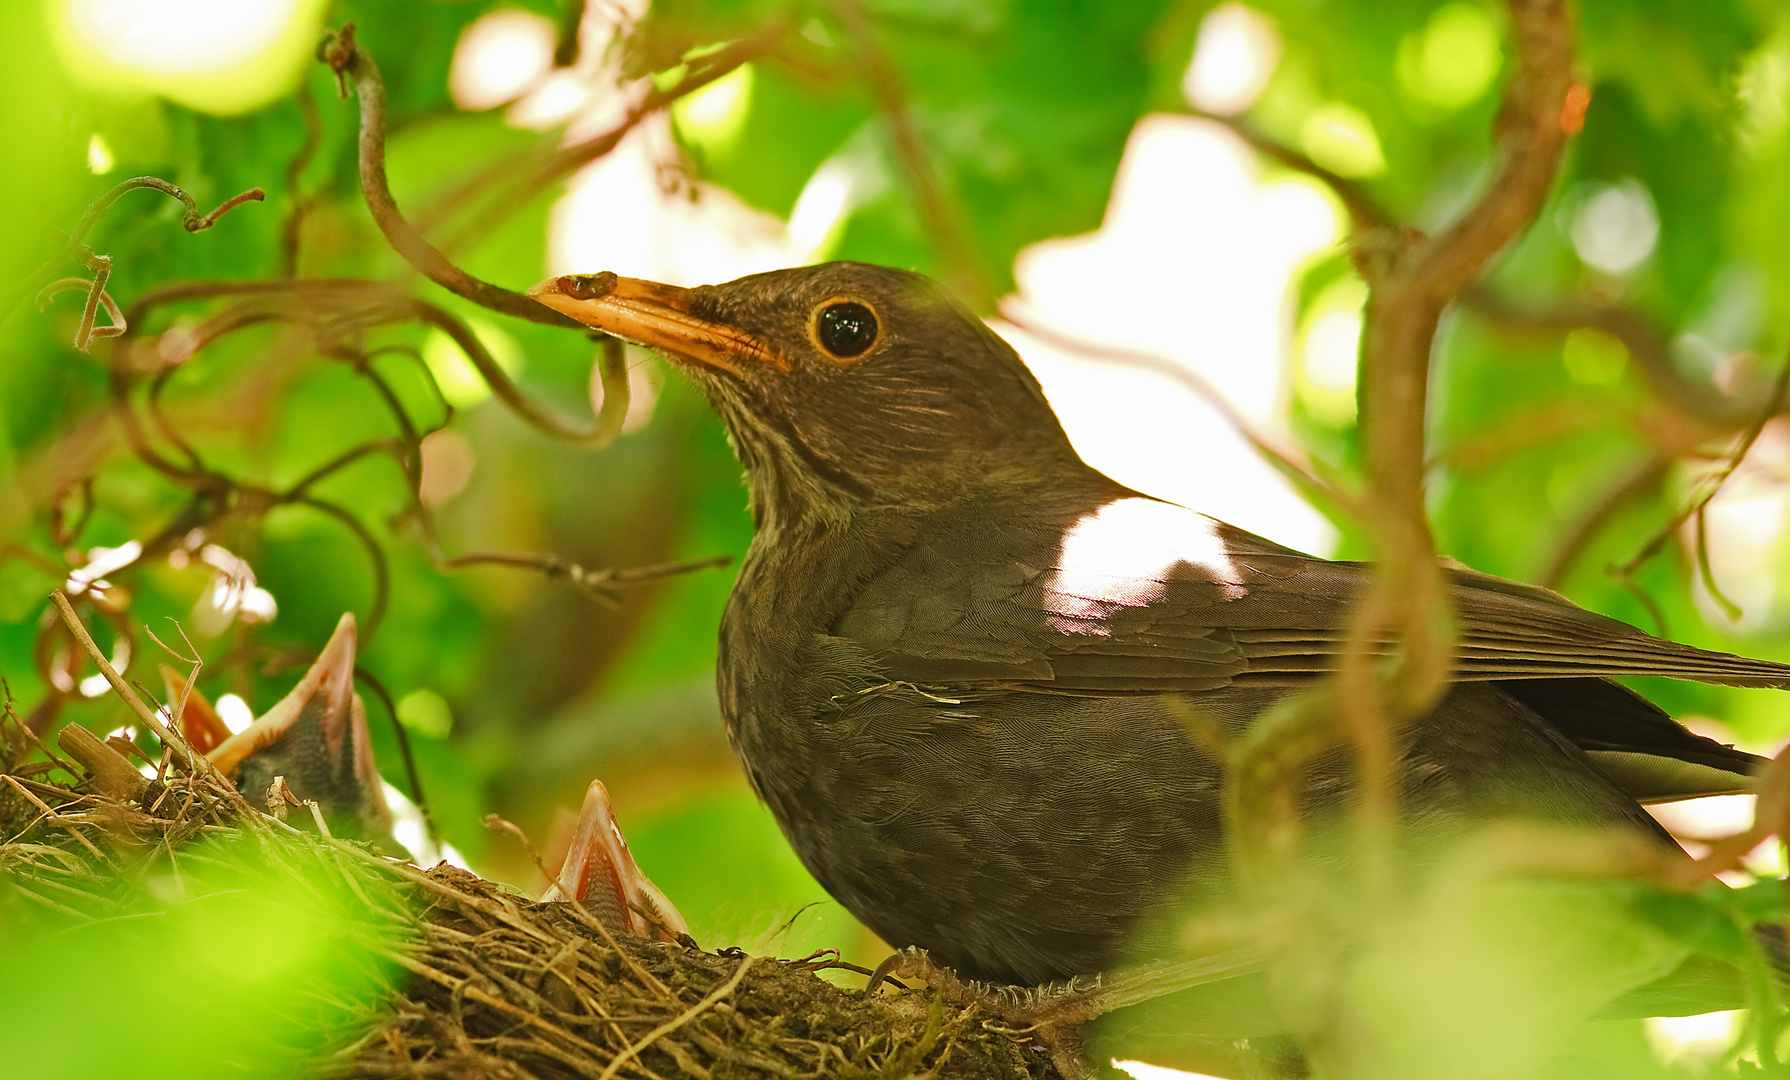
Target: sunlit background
[(1193, 270)]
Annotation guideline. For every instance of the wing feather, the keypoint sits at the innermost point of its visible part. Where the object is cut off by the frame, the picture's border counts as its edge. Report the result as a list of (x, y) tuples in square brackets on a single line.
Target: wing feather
[(1141, 595)]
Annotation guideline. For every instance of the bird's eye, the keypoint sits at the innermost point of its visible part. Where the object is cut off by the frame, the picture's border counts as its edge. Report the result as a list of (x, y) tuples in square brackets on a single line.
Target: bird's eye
[(845, 328)]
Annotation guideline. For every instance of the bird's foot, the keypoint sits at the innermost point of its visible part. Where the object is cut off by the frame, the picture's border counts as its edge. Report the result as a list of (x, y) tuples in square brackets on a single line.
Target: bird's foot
[(1052, 1015), (1048, 1016)]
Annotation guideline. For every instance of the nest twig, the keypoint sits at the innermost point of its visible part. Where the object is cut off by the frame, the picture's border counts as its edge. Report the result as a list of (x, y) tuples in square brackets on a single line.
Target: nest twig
[(488, 983)]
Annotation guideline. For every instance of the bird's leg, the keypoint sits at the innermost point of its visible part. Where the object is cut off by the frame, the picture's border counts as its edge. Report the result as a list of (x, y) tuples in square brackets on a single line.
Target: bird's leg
[(600, 873), (1052, 1014)]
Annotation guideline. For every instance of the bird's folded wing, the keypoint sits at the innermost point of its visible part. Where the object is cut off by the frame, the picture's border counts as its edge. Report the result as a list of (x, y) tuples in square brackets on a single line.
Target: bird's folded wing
[(1141, 595)]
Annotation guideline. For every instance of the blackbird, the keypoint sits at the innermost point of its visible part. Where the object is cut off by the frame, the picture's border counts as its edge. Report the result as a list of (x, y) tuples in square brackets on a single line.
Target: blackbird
[(958, 661)]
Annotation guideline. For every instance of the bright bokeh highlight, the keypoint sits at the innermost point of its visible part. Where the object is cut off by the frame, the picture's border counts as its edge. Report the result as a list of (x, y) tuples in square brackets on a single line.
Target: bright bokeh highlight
[(1453, 60), (500, 57), (1192, 265), (1143, 1070), (1594, 358), (1701, 1037), (1330, 352), (100, 159), (1614, 226), (459, 380), (216, 56), (234, 712), (1342, 139), (1233, 60), (618, 215), (1745, 532), (715, 116)]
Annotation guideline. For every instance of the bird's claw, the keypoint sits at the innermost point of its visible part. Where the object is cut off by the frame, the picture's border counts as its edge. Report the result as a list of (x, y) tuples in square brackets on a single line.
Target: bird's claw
[(1049, 1016)]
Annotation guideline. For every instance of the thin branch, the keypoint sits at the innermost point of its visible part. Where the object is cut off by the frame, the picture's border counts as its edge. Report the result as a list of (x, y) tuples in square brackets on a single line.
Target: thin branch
[(1411, 284), (86, 333), (75, 245), (569, 159), (1646, 341), (375, 555), (343, 55), (598, 584), (602, 430), (1365, 212), (341, 306), (292, 228), (1286, 457), (399, 732), (943, 220), (195, 763), (1711, 487), (1631, 485)]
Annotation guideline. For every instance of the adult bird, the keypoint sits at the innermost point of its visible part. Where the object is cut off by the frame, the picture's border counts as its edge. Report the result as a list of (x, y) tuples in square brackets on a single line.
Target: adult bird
[(958, 661)]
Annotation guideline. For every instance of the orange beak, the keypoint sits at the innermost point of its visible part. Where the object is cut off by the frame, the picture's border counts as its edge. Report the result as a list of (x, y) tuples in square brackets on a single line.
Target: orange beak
[(656, 316)]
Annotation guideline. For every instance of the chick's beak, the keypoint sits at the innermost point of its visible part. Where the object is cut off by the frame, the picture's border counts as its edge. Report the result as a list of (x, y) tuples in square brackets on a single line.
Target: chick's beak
[(657, 316)]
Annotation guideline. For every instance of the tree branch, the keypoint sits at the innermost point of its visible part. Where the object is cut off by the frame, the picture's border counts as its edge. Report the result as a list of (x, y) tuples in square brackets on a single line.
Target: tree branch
[(76, 244), (1365, 212), (344, 56), (1644, 339), (964, 269), (1410, 289)]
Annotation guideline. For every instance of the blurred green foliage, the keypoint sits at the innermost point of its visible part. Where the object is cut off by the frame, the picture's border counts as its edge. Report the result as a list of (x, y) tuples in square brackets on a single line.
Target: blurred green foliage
[(517, 691), (223, 961)]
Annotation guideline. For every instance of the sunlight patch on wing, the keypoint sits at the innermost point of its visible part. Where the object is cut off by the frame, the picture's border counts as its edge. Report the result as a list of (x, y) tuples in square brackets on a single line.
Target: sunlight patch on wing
[(1121, 554)]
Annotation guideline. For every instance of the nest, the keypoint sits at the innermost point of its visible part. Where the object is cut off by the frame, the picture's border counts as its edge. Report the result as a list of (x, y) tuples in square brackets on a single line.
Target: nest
[(476, 980)]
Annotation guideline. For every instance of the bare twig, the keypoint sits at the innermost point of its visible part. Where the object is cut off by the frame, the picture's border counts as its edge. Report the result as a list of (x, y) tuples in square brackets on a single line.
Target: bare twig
[(1286, 457), (964, 268), (1624, 572), (292, 228), (75, 245), (567, 160), (598, 584), (411, 776), (97, 297), (1647, 343), (344, 56), (679, 1021), (1631, 485), (600, 433), (194, 762), (1365, 212)]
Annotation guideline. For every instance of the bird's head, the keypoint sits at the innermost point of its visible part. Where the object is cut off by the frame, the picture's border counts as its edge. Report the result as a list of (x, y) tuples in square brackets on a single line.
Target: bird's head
[(843, 385)]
